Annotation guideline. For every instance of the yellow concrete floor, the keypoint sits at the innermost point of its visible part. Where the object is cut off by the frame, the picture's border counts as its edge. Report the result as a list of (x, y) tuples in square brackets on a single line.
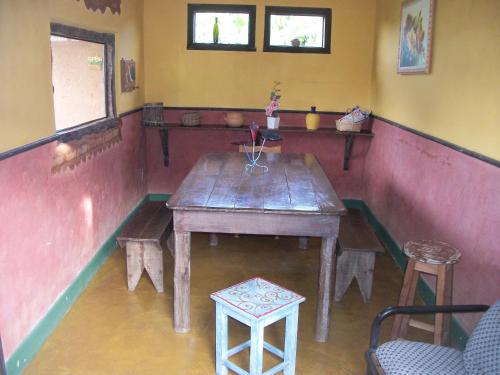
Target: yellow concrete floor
[(111, 331)]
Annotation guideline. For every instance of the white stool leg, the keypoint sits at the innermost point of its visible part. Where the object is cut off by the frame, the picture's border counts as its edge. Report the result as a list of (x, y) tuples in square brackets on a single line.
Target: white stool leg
[(291, 341), (220, 340), (256, 348)]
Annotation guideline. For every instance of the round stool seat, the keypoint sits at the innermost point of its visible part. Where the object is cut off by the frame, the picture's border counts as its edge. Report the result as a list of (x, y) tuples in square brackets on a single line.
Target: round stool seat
[(433, 252)]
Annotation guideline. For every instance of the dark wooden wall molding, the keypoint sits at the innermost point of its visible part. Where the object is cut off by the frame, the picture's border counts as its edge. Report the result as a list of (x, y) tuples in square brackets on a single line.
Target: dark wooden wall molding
[(29, 146), (55, 137), (453, 146), (128, 113), (228, 109)]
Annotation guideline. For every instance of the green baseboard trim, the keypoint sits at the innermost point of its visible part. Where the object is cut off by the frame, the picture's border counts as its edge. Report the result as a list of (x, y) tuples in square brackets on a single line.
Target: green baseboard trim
[(35, 339), (153, 197), (458, 335)]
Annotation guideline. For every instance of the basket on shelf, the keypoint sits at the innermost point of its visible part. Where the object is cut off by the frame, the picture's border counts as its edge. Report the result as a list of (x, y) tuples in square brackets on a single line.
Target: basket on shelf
[(190, 119), (152, 114), (353, 120)]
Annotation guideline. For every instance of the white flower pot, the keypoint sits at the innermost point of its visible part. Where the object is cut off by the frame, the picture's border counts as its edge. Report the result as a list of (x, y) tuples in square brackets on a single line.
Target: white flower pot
[(273, 122)]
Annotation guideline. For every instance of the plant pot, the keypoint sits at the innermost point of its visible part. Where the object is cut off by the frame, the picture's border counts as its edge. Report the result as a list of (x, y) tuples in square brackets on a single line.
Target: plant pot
[(234, 119), (273, 122)]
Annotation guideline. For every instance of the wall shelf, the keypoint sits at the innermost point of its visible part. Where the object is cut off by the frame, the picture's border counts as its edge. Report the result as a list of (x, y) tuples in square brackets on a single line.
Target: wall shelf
[(349, 136)]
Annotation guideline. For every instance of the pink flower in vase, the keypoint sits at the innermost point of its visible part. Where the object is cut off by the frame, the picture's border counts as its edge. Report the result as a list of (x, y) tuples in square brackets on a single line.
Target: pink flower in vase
[(273, 106), (275, 100)]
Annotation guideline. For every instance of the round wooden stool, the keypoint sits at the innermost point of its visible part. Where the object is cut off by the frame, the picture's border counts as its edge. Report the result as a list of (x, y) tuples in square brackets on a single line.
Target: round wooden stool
[(434, 258)]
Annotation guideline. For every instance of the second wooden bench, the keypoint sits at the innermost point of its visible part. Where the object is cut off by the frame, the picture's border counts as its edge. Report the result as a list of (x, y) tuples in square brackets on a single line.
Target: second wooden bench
[(357, 246), (144, 238)]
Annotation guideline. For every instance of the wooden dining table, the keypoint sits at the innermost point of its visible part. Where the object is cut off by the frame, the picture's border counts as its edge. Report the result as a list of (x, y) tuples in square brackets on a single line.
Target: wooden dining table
[(291, 196)]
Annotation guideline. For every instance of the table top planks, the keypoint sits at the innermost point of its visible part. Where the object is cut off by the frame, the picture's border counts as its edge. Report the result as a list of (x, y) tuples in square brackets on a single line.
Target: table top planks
[(294, 183)]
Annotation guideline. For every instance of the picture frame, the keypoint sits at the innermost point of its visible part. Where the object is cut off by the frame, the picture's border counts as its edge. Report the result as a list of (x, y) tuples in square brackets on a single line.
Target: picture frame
[(127, 75), (415, 36)]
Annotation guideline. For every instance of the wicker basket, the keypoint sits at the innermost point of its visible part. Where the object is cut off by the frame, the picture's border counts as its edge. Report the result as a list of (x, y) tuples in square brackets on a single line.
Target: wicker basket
[(190, 119), (348, 126), (353, 120), (152, 114)]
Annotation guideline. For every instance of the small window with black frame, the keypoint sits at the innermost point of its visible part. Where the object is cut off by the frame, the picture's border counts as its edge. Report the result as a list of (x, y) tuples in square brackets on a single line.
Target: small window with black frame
[(221, 27), (301, 30), (82, 80)]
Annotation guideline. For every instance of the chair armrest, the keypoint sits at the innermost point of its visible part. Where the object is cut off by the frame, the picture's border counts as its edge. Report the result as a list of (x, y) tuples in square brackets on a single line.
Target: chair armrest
[(431, 309)]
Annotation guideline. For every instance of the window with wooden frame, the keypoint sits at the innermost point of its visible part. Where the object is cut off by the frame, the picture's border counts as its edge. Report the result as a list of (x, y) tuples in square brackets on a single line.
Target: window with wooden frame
[(300, 30), (82, 80), (221, 27)]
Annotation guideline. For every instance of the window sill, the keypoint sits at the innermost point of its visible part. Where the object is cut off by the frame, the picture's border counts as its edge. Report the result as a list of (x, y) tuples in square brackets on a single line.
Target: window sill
[(221, 47), (92, 127), (297, 49)]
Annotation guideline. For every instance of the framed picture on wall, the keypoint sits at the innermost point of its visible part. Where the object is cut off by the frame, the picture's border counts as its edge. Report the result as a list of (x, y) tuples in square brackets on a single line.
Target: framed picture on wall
[(415, 36), (127, 75)]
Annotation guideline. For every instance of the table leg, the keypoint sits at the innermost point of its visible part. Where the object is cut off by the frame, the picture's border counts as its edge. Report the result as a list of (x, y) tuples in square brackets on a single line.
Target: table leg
[(325, 287), (182, 323), (303, 243)]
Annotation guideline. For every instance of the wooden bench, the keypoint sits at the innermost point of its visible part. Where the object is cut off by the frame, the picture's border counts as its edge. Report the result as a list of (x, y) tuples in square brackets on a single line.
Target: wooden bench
[(143, 238), (357, 246)]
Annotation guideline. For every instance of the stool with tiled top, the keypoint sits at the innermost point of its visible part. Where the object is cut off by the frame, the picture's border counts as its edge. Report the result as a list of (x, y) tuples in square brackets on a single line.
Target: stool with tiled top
[(434, 258), (256, 303)]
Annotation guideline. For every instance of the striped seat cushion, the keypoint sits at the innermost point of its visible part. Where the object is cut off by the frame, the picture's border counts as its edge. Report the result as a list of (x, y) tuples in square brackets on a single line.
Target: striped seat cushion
[(402, 357)]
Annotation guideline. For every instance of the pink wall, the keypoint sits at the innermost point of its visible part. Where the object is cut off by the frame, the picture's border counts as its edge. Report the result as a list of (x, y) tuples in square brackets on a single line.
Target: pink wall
[(186, 146), (52, 225), (420, 189)]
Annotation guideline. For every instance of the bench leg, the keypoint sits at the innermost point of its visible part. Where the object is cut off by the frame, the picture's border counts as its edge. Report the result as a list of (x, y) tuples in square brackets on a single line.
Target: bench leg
[(355, 264), (153, 262), (364, 274), (135, 264), (345, 273)]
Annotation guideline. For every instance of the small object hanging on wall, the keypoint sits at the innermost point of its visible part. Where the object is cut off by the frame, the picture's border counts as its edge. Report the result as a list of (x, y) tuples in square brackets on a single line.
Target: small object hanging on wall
[(114, 5), (415, 36), (127, 75)]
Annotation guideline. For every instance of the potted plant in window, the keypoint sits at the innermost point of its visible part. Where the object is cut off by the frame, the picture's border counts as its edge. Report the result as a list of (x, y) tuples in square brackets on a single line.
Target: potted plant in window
[(273, 119)]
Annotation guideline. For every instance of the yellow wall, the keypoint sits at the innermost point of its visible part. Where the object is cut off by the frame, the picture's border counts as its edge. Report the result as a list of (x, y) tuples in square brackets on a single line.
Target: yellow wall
[(459, 101), (26, 104), (181, 77)]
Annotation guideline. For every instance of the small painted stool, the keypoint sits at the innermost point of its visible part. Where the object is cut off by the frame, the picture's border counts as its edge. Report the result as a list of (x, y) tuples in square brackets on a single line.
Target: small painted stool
[(256, 303), (434, 258)]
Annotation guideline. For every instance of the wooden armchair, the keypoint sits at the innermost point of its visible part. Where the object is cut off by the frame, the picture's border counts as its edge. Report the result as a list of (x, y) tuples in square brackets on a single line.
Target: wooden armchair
[(481, 355)]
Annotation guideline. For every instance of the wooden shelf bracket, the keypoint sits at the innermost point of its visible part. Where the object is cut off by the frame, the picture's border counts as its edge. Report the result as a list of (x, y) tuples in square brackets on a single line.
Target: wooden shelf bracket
[(164, 146), (349, 140)]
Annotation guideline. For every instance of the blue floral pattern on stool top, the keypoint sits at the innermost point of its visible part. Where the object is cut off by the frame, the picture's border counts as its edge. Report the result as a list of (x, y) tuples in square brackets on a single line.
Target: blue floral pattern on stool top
[(257, 297)]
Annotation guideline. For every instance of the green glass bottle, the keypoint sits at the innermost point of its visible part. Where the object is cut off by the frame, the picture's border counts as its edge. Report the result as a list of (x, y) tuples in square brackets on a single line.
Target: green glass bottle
[(216, 31)]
